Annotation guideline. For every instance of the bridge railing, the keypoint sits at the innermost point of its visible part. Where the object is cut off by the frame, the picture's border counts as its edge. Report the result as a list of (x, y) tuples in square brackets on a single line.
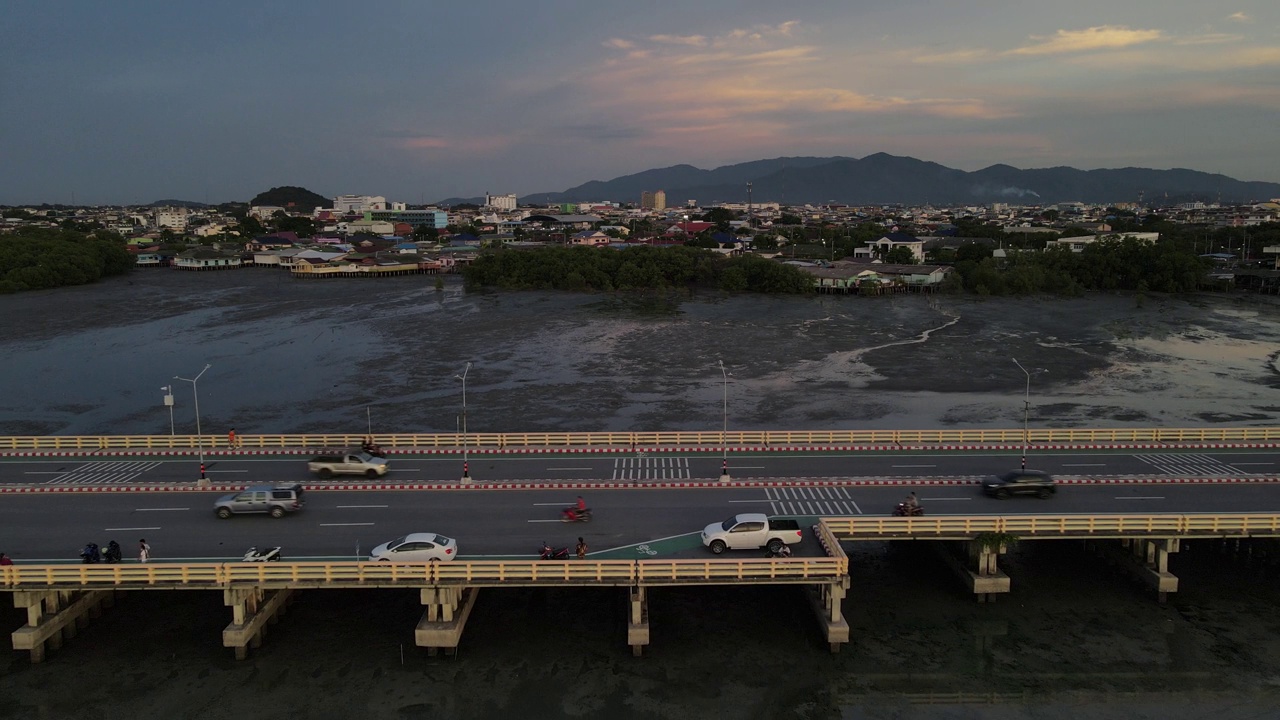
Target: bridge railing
[(368, 574), (970, 526), (569, 440)]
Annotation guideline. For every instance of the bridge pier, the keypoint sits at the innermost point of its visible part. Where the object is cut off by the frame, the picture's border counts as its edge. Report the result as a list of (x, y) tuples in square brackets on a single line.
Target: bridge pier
[(448, 608), (981, 573), (55, 614), (1147, 560), (638, 620), (827, 600), (251, 610)]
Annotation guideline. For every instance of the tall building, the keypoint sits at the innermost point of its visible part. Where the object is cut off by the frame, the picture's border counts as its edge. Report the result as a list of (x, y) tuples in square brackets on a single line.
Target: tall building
[(653, 200), (501, 202)]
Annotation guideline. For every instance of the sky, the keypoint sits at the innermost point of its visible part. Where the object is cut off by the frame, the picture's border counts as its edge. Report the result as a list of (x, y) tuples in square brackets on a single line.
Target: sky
[(133, 101)]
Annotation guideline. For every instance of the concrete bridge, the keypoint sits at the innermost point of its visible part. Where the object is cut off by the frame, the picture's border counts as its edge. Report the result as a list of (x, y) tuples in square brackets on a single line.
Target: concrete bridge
[(61, 598)]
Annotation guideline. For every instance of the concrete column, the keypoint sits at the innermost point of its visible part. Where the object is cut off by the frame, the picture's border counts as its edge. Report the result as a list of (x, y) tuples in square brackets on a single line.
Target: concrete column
[(638, 621)]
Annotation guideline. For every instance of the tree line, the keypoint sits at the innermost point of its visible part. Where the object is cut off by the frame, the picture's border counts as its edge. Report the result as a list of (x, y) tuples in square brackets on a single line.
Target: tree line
[(637, 268), (36, 258)]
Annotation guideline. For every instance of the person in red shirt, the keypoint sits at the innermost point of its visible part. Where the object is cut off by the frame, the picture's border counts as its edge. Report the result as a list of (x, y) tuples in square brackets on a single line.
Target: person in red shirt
[(4, 559)]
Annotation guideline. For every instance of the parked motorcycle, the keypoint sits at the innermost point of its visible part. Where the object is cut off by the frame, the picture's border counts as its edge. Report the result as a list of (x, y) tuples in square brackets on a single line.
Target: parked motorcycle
[(573, 514), (549, 553), (112, 553), (905, 510)]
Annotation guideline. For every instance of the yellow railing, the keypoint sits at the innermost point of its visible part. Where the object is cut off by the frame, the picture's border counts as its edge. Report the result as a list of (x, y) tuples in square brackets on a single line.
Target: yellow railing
[(1048, 526), (775, 438), (474, 573)]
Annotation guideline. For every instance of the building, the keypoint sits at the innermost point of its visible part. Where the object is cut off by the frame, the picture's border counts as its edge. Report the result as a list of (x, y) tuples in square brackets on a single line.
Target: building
[(171, 219), (430, 217), (890, 242), (656, 200), (357, 204), (501, 202)]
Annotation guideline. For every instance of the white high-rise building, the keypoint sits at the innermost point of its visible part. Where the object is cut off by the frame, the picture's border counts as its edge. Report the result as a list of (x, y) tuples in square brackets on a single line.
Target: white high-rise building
[(501, 202)]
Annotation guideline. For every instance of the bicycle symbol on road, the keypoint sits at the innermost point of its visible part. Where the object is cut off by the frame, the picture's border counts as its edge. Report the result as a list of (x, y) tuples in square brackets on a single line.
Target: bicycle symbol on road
[(646, 550)]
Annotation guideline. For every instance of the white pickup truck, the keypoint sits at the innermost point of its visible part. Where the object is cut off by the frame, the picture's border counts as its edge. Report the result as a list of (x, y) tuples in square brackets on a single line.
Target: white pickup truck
[(750, 531), (326, 465)]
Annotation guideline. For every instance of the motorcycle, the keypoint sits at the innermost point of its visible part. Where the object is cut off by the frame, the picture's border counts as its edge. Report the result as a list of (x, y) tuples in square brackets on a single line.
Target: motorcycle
[(548, 553), (905, 510), (573, 514), (253, 554), (90, 554), (112, 553)]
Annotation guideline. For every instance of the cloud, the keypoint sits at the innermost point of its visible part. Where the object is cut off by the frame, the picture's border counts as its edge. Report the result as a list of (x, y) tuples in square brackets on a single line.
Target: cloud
[(1102, 37), (955, 57), (1240, 17), (618, 43), (691, 40)]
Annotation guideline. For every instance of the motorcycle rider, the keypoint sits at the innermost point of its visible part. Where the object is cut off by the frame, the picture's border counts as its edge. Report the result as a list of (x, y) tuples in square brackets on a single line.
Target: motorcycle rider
[(112, 553), (576, 511), (912, 503)]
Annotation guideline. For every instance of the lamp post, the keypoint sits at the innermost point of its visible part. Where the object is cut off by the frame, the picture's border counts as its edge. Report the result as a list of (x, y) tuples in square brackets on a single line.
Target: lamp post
[(1026, 411), (724, 431), (168, 401), (199, 436), (466, 472), (686, 228)]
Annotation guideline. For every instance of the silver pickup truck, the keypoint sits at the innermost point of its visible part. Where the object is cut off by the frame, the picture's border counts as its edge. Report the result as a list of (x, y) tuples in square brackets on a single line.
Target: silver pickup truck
[(348, 463)]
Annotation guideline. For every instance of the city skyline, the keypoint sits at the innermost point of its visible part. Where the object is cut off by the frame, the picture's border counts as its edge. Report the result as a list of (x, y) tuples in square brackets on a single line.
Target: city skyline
[(113, 104)]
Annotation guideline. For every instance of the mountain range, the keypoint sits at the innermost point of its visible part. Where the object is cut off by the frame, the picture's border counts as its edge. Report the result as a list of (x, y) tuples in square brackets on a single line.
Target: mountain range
[(881, 179)]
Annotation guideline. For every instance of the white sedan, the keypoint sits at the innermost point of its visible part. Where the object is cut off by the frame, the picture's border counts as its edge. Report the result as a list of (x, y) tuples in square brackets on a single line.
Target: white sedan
[(416, 548)]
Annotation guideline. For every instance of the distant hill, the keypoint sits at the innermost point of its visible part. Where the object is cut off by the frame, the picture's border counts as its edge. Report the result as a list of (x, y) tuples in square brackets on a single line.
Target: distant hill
[(888, 179), (177, 203), (288, 196)]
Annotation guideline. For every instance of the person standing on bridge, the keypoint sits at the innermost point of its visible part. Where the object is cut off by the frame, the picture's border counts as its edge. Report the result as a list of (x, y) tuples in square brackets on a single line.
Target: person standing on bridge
[(144, 551), (4, 559), (232, 440), (582, 549)]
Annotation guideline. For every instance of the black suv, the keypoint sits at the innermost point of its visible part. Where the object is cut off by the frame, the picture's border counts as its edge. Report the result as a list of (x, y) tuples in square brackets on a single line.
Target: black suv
[(1020, 482)]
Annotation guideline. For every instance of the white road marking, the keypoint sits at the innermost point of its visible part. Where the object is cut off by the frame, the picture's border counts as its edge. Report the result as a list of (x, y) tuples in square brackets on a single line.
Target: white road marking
[(1240, 463), (757, 502), (1084, 464), (746, 467), (855, 506), (559, 504), (942, 499), (569, 468), (1142, 497), (343, 524), (158, 509), (343, 507), (210, 472), (128, 529), (540, 521), (42, 472), (912, 466)]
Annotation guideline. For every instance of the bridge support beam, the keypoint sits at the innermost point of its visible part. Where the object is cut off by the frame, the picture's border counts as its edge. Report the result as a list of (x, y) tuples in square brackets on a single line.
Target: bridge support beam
[(638, 620), (981, 573), (55, 614), (1147, 560), (827, 600), (448, 608), (251, 610)]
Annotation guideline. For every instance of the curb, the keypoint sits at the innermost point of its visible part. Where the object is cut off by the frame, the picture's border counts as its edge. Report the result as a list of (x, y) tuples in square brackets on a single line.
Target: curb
[(682, 485), (666, 449)]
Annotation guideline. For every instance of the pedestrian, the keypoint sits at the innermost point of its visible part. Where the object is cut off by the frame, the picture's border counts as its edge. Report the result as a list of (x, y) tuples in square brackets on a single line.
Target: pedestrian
[(4, 559), (144, 551), (582, 549), (232, 440)]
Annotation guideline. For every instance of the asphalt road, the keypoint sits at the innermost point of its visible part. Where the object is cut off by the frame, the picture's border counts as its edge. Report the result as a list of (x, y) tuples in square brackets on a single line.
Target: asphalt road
[(515, 522), (606, 467)]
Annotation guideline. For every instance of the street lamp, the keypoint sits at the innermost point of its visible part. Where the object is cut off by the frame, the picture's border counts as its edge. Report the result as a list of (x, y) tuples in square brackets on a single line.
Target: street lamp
[(466, 474), (168, 401), (686, 228), (724, 431), (199, 436), (1026, 411)]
